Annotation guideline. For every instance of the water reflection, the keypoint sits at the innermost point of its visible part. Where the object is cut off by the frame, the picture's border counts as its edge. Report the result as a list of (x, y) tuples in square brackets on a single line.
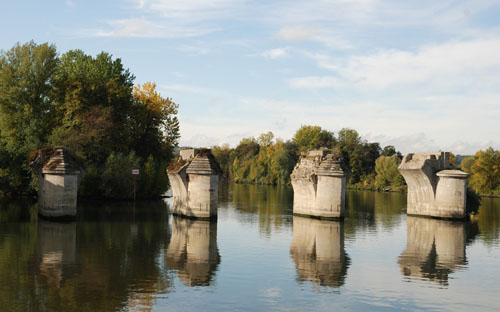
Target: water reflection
[(105, 261), (272, 205), (56, 245), (435, 248), (193, 250), (318, 251), (370, 211)]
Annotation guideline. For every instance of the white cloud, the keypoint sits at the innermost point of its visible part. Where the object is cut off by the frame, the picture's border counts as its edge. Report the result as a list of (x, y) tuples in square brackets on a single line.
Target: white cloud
[(275, 53), (296, 33), (143, 28), (455, 63), (191, 10), (70, 4), (313, 82), (170, 19)]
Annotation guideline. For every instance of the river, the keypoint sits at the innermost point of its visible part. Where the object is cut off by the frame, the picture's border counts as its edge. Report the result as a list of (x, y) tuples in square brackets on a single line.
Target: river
[(257, 257)]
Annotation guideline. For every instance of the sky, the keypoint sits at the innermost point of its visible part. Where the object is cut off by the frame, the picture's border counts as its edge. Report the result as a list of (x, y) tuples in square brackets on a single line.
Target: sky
[(420, 75)]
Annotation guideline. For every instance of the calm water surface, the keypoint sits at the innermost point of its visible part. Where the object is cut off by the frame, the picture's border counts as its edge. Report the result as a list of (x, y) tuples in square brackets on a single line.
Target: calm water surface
[(257, 256)]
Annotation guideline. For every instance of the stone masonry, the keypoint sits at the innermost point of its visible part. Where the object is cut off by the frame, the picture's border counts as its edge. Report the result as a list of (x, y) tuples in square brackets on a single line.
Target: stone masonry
[(319, 181), (435, 189), (59, 177), (194, 178)]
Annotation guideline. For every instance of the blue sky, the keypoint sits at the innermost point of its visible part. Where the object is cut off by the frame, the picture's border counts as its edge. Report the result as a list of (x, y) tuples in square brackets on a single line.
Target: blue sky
[(419, 75)]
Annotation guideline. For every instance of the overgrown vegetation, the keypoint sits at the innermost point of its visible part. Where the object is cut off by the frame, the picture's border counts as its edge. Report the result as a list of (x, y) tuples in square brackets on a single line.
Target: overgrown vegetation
[(90, 105)]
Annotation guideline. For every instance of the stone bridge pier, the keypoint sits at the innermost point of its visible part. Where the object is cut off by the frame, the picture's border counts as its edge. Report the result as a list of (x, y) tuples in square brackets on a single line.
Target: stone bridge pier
[(435, 189), (319, 181), (194, 179), (59, 177)]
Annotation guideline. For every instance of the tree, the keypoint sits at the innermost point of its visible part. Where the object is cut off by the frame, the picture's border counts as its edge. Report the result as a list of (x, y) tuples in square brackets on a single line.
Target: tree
[(467, 163), (485, 171), (87, 104), (312, 137), (154, 128), (387, 172), (93, 98), (26, 107), (390, 150)]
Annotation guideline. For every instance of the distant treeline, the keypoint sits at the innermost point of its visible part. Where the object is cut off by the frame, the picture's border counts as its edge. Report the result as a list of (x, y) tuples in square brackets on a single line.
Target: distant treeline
[(266, 160), (91, 106)]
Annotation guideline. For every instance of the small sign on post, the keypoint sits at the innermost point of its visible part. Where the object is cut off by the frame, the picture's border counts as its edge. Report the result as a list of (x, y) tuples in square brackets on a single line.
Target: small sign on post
[(135, 172)]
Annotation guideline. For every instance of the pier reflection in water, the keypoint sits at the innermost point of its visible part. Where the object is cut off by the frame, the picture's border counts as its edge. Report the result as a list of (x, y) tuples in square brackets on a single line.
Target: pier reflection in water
[(318, 251), (125, 257), (56, 245), (193, 250), (435, 248)]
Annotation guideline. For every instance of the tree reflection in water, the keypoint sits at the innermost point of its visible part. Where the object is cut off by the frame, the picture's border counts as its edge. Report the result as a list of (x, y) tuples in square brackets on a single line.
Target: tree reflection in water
[(105, 261)]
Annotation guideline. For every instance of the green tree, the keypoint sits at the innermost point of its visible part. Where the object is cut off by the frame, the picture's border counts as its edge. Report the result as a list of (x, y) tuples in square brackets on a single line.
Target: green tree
[(485, 178), (359, 155), (390, 150), (93, 99), (467, 164), (87, 104), (26, 108), (312, 137), (387, 172), (223, 156)]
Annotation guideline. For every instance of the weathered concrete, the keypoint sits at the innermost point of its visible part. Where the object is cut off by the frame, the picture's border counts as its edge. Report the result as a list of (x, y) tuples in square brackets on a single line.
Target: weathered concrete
[(435, 189), (319, 180), (434, 248), (194, 179), (318, 251), (193, 250), (59, 177)]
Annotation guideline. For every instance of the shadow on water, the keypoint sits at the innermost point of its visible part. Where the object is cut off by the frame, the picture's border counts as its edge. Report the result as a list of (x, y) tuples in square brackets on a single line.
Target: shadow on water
[(318, 251), (107, 260)]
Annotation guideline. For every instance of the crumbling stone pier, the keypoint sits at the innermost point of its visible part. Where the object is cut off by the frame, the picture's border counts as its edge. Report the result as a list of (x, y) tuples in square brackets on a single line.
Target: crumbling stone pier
[(319, 180), (59, 177), (435, 188), (194, 179)]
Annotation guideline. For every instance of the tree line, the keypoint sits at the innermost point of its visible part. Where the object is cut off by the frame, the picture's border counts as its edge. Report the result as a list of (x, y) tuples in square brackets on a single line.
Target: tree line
[(266, 160), (91, 106)]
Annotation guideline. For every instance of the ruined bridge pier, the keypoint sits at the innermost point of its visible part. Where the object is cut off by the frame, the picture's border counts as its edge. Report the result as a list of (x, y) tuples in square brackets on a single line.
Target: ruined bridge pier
[(59, 177), (435, 188), (319, 180), (194, 179)]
